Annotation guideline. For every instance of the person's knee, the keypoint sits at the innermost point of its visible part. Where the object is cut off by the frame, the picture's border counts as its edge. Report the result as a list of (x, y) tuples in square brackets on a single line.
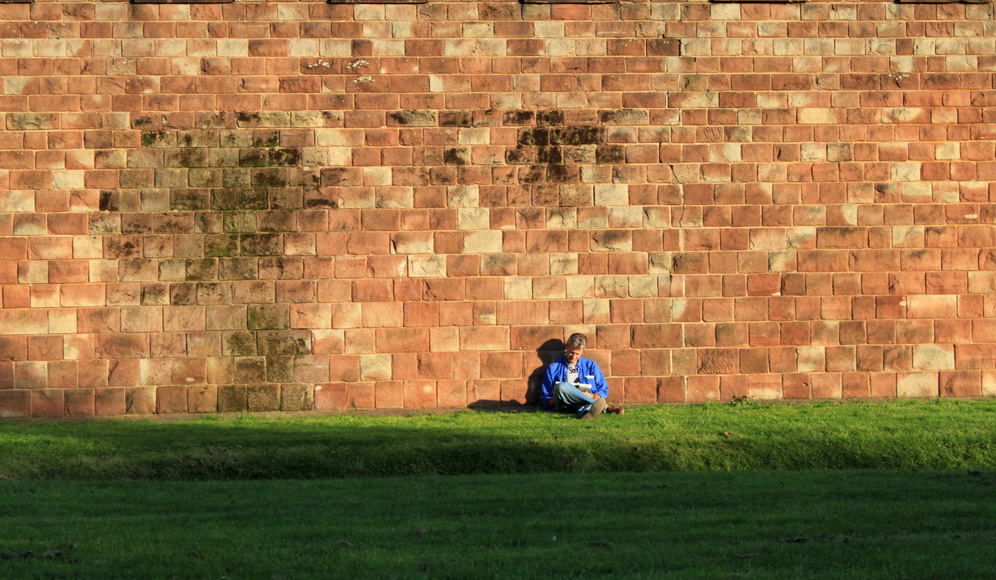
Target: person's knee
[(568, 393)]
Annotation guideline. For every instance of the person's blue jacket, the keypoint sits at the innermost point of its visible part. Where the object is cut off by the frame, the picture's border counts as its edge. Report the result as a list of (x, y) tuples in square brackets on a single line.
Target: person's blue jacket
[(588, 373)]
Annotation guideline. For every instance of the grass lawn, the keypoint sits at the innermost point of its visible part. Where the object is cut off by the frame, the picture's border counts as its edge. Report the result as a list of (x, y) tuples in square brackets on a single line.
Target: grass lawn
[(922, 435), (857, 490), (809, 524)]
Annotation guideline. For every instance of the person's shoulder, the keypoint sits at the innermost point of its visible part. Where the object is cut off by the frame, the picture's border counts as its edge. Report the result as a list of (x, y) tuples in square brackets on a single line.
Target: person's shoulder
[(590, 362)]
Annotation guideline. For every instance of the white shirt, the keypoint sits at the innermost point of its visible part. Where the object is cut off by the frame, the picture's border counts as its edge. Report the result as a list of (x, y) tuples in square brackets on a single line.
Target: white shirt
[(572, 375)]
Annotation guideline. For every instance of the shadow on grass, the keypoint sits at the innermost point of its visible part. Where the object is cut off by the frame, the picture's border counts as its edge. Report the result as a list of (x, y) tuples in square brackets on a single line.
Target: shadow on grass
[(265, 449), (777, 525), (493, 406)]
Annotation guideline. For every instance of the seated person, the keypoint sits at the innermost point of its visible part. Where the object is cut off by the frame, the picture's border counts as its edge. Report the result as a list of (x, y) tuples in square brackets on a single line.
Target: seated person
[(576, 385)]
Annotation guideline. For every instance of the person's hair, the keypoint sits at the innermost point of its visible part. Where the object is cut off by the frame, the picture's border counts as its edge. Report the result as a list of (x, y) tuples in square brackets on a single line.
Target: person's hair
[(577, 340)]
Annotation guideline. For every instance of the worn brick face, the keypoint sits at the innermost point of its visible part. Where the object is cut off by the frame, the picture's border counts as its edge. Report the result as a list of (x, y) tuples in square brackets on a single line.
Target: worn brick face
[(369, 207)]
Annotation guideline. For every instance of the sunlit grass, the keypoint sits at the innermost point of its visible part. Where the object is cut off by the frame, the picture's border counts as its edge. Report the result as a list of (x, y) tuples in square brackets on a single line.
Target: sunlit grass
[(934, 435)]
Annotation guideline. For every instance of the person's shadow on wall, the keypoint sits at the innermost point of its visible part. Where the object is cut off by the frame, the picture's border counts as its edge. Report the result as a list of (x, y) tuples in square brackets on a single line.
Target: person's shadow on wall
[(548, 352)]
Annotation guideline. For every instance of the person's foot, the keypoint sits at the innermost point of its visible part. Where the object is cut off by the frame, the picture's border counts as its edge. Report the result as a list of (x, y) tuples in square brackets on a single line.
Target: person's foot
[(596, 409), (614, 410)]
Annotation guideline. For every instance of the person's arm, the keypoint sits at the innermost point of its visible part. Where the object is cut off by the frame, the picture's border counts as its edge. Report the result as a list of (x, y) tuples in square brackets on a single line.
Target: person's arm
[(546, 389), (599, 386)]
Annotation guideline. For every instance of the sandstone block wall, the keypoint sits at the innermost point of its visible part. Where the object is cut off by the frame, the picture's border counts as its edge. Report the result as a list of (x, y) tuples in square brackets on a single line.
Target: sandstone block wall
[(301, 205)]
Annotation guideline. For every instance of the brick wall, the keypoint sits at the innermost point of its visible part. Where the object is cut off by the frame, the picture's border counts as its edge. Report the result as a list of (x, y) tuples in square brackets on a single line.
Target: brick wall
[(299, 205)]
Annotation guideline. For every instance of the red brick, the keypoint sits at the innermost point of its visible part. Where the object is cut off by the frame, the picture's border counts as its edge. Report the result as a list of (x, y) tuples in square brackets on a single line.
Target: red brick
[(344, 368), (360, 396), (764, 387), (960, 383), (15, 404), (523, 312), (671, 390), (656, 336), (6, 375), (484, 392), (390, 395), (82, 295), (640, 390), (501, 364), (826, 386), (402, 340), (45, 348), (753, 361), (732, 387), (702, 389), (855, 385), (80, 403), (718, 361), (63, 374), (882, 385), (331, 397), (625, 363), (48, 403), (484, 338), (451, 393), (202, 399), (513, 391), (796, 386)]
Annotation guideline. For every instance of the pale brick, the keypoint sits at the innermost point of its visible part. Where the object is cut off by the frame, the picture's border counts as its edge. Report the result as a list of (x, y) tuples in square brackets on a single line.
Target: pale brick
[(932, 306), (933, 357), (233, 47), (580, 286), (483, 242), (518, 288), (989, 383), (463, 196), (611, 194), (473, 218), (414, 242), (563, 264), (23, 321), (917, 385), (562, 218), (643, 286), (427, 266), (817, 116), (811, 359), (908, 171), (375, 367), (376, 176)]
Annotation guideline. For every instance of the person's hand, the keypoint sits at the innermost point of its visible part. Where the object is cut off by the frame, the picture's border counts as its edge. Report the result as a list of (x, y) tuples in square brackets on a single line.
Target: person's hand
[(596, 396)]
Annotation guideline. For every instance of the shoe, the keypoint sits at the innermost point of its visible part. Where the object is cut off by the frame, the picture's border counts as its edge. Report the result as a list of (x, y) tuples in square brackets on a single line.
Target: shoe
[(596, 409), (614, 410)]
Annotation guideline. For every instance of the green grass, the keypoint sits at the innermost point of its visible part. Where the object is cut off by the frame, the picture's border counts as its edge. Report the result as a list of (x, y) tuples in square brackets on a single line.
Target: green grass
[(809, 524), (833, 490), (907, 435)]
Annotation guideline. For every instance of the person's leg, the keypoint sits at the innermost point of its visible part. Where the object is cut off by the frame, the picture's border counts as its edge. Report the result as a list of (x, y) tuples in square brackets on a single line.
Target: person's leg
[(571, 399), (595, 410)]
